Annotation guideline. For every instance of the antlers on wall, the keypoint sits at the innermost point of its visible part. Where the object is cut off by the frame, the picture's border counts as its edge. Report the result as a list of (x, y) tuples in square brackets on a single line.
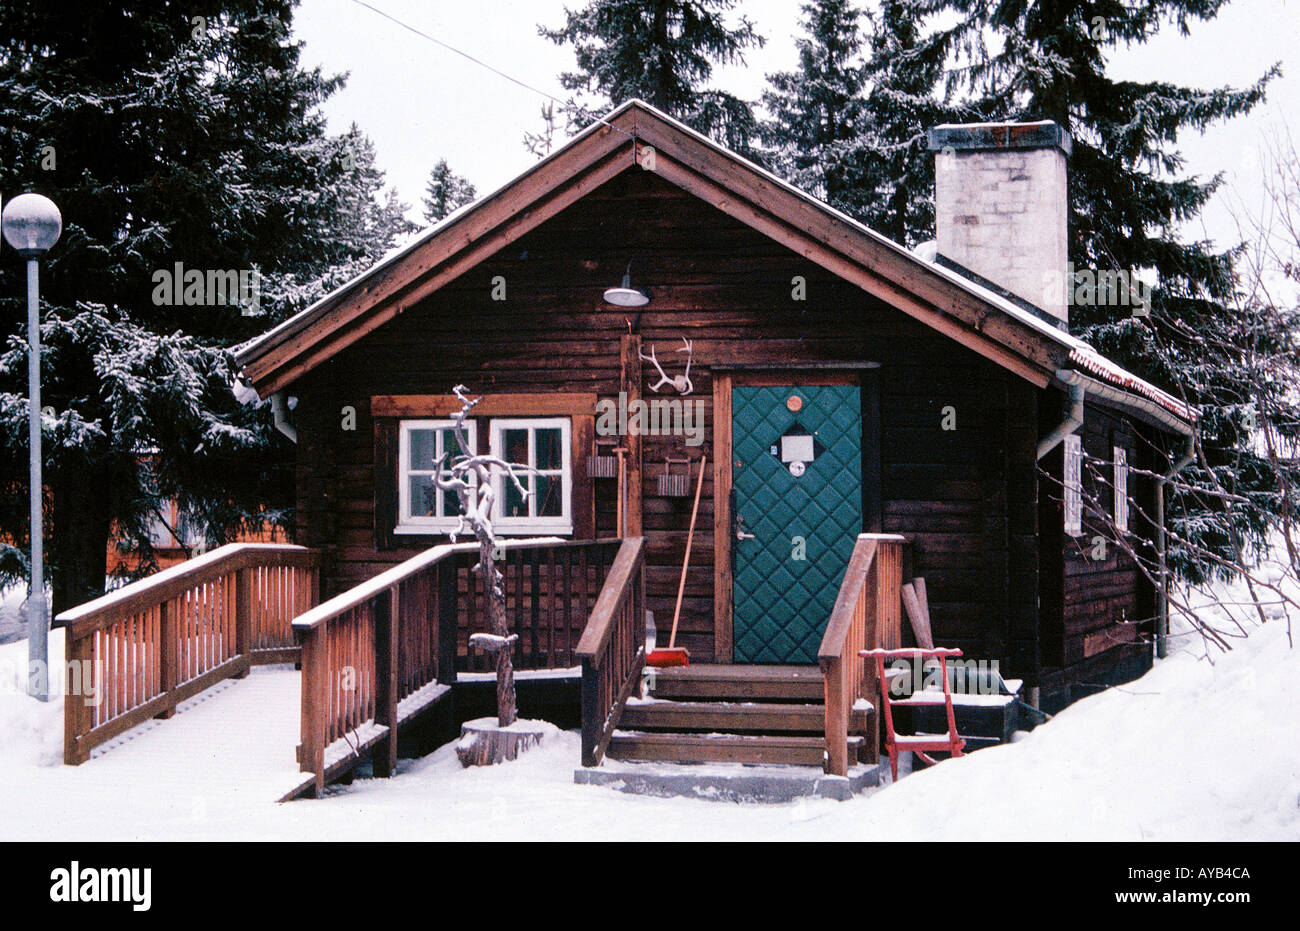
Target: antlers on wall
[(681, 383)]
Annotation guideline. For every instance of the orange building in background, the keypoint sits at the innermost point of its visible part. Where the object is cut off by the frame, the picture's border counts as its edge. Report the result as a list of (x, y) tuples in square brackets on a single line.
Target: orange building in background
[(176, 539)]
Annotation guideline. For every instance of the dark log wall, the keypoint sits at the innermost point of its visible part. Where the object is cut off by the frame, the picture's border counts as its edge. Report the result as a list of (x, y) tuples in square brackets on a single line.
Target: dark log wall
[(1098, 619), (967, 497)]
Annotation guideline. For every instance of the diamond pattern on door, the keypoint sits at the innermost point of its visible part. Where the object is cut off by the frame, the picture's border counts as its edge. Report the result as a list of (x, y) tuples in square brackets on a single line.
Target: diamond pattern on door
[(782, 603)]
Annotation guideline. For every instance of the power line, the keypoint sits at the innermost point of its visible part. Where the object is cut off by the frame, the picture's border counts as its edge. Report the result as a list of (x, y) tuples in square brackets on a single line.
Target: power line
[(477, 61)]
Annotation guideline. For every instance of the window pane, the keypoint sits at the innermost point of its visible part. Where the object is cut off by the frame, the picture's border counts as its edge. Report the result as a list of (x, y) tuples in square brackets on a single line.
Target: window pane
[(451, 445), (550, 495), (424, 496), (513, 504), (450, 504), (423, 449), (514, 445), (549, 452)]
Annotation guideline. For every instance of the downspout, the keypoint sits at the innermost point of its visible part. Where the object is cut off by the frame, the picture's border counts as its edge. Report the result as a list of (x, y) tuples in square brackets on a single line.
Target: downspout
[(1073, 421), (281, 415), (1162, 592), (1073, 418)]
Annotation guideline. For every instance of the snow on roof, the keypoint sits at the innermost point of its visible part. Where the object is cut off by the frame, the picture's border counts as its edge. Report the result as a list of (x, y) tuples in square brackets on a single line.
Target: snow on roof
[(1081, 353), (1094, 362)]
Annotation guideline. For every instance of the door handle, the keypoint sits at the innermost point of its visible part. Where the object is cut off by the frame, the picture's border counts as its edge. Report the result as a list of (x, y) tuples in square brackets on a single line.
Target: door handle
[(740, 523)]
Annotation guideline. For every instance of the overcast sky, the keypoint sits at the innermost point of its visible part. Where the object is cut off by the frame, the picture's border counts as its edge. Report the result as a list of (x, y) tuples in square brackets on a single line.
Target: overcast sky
[(419, 102)]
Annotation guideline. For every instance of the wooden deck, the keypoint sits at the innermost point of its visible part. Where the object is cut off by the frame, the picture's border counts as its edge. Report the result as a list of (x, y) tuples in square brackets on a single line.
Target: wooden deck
[(377, 657)]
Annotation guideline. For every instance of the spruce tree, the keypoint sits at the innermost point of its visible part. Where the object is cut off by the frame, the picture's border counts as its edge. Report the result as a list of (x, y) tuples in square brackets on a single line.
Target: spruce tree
[(664, 52), (1128, 197), (905, 73), (817, 120), (849, 125), (166, 134), (445, 192)]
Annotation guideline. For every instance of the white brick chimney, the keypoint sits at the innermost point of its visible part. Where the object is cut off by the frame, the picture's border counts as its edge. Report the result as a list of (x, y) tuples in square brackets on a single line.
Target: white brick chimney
[(1001, 208)]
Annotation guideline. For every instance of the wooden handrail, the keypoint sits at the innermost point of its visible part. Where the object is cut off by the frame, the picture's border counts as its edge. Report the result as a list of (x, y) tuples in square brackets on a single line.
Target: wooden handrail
[(866, 614), (360, 594), (612, 649), (138, 652), (376, 656), (167, 584), (614, 593), (850, 594)]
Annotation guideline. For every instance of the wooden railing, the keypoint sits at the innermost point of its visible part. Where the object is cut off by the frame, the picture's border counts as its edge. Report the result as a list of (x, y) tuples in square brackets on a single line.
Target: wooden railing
[(867, 615), (139, 651), (379, 654), (612, 649)]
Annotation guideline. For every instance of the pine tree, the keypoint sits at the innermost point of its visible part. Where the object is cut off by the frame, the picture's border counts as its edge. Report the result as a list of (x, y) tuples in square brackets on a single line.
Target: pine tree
[(1127, 200), (662, 51), (817, 115), (445, 192), (850, 124), (164, 137), (541, 142), (905, 72)]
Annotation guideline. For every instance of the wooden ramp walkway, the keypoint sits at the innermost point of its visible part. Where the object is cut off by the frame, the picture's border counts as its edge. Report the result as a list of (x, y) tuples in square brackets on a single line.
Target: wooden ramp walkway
[(238, 736)]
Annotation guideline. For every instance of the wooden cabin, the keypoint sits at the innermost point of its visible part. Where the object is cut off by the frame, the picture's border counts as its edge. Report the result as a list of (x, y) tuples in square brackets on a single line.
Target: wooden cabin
[(838, 385)]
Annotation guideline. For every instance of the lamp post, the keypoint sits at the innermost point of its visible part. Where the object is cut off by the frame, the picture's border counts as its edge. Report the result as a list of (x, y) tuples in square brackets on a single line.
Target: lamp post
[(31, 224)]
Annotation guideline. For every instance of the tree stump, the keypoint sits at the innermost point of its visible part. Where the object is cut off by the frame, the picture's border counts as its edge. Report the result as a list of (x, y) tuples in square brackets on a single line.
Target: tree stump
[(484, 742)]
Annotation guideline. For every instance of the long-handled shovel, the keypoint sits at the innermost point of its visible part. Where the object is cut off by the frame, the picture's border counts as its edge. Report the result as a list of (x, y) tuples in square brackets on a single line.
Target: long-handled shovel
[(673, 655)]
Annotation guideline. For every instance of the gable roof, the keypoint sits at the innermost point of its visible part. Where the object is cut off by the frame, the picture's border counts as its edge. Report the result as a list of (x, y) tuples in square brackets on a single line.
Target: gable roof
[(636, 136)]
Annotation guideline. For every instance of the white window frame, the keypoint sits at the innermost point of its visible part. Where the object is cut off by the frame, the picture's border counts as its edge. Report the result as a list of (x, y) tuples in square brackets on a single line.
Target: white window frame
[(560, 526), (406, 522), (1120, 457), (1072, 485)]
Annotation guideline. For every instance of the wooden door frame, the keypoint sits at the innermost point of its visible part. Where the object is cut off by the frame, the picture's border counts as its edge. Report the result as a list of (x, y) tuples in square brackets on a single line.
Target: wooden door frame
[(864, 375)]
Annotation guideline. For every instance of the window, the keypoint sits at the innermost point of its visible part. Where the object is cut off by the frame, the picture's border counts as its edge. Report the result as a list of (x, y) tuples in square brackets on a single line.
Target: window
[(542, 445), (1121, 489), (1073, 482), (422, 508)]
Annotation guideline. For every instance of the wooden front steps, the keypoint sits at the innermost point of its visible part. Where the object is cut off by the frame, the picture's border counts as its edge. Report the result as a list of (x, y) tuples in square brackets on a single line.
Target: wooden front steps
[(720, 748), (729, 714), (722, 716), (716, 681)]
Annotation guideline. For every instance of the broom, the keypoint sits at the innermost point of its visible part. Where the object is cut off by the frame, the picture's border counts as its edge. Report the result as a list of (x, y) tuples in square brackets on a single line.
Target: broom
[(673, 655)]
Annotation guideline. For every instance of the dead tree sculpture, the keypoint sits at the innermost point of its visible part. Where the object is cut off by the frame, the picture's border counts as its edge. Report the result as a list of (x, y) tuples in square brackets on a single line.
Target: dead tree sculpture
[(471, 477)]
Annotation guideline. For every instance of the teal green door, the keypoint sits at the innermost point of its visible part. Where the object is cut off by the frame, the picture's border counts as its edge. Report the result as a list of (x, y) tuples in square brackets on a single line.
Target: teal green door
[(797, 481)]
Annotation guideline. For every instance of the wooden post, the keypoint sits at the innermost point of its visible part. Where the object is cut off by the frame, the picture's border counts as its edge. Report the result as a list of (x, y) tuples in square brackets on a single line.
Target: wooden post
[(387, 611), (723, 646), (837, 719), (592, 713), (630, 385), (448, 602), (876, 637), (77, 715), (315, 704), (168, 654), (245, 602)]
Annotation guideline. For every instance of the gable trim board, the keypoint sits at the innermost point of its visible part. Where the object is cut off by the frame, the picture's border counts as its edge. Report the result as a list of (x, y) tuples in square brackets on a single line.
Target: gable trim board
[(635, 136)]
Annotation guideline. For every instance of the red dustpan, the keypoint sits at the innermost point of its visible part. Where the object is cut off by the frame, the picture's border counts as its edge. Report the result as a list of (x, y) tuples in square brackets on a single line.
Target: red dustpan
[(673, 655)]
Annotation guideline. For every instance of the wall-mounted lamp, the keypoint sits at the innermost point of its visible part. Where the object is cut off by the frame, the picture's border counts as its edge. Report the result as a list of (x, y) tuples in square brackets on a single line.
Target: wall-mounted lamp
[(625, 295)]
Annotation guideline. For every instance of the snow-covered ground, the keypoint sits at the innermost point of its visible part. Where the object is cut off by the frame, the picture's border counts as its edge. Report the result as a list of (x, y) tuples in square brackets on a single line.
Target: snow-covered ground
[(11, 619), (1195, 750)]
